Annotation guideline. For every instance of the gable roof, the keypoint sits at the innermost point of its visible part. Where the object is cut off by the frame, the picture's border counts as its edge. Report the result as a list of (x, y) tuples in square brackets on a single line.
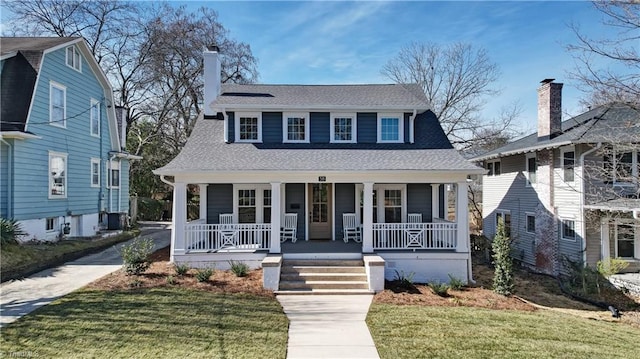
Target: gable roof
[(612, 123), (318, 97), (206, 151)]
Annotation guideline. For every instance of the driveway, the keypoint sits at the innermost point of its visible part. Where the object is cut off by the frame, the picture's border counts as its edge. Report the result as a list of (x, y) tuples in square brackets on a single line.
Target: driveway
[(20, 297)]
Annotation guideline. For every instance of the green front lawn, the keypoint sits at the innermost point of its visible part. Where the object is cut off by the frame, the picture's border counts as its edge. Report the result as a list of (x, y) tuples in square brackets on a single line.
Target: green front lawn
[(155, 323), (464, 332)]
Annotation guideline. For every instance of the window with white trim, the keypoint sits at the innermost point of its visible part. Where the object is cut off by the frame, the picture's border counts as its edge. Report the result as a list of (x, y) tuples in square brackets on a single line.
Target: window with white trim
[(622, 165), (248, 127), (506, 218), (74, 59), (568, 229), (532, 168), (114, 174), (247, 206), (50, 225), (531, 223), (94, 115), (494, 168), (252, 203), (390, 128), (57, 104), (392, 206), (266, 206), (295, 127), (57, 175), (343, 128), (568, 158), (95, 172), (626, 240)]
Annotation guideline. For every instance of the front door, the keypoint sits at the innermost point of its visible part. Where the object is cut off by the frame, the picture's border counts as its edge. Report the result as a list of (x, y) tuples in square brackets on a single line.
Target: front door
[(319, 211)]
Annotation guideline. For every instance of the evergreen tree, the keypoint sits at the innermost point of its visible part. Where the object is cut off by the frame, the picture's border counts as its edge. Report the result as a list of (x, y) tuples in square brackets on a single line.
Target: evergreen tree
[(503, 277)]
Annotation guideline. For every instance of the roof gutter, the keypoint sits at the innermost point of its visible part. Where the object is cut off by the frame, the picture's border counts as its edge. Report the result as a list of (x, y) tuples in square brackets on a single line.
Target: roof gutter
[(18, 135), (583, 229), (522, 150), (163, 179), (125, 155)]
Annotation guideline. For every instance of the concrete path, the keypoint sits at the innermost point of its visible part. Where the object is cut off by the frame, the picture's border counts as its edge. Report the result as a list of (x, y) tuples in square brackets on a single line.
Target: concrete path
[(20, 297), (328, 326)]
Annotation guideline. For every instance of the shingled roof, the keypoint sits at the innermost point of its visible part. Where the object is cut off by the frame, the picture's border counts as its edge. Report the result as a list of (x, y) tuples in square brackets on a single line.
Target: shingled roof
[(612, 123), (21, 58), (206, 151), (335, 97)]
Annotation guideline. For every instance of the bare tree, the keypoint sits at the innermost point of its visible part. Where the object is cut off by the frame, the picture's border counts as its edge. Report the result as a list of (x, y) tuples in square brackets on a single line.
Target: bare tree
[(608, 68), (456, 80)]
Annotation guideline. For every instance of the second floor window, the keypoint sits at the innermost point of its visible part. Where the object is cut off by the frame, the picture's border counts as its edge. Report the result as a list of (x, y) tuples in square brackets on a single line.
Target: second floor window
[(343, 128), (493, 168), (74, 60), (390, 128), (296, 128), (622, 165), (532, 168), (249, 128), (57, 105), (95, 117), (568, 164)]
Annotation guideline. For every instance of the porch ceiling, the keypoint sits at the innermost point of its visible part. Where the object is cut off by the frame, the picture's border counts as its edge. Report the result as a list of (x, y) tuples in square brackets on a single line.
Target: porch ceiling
[(618, 204)]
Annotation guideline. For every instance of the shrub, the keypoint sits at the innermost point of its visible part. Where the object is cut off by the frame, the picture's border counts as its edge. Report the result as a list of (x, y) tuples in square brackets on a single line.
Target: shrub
[(610, 266), (181, 269), (171, 280), (149, 209), (503, 276), (440, 289), (240, 269), (10, 230), (203, 275), (404, 280), (455, 283), (136, 255)]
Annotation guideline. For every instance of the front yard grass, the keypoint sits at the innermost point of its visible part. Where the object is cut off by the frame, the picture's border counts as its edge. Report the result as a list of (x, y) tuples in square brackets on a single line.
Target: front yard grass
[(410, 331), (20, 260), (151, 323)]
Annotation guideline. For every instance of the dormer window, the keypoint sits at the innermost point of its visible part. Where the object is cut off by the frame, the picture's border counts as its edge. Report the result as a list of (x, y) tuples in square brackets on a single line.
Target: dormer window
[(343, 128), (248, 127), (390, 128), (295, 127), (74, 60)]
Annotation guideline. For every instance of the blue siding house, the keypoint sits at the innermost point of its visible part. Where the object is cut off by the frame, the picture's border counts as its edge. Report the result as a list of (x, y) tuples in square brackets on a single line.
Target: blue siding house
[(364, 173), (63, 168)]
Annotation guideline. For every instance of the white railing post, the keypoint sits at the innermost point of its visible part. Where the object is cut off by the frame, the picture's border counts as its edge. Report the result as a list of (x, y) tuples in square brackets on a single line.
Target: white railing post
[(462, 216), (276, 205), (367, 218), (203, 201), (179, 219), (435, 200)]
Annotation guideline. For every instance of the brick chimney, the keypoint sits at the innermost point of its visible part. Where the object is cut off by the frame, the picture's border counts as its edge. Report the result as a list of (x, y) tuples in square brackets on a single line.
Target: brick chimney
[(549, 109), (212, 75)]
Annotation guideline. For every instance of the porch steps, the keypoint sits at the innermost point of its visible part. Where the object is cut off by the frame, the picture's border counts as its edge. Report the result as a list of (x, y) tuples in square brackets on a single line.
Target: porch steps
[(323, 276)]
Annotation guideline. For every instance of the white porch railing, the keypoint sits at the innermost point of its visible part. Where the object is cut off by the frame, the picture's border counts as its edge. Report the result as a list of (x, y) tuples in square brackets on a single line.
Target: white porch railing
[(201, 237), (414, 236)]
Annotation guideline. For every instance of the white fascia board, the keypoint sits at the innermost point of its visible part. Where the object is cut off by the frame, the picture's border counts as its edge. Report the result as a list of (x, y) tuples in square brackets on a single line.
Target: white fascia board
[(399, 176), (18, 135), (520, 151), (8, 55), (327, 108)]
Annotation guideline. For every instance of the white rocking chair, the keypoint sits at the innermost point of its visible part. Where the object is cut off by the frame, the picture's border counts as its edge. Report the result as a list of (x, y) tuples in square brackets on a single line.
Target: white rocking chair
[(289, 229), (350, 228)]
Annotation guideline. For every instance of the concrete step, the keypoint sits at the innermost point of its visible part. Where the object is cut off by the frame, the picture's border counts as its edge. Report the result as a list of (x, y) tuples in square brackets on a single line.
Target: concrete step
[(323, 262), (323, 284), (324, 292), (323, 269), (315, 276)]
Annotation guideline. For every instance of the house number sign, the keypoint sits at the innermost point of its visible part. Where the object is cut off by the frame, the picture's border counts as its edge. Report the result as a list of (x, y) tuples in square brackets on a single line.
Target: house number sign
[(322, 179)]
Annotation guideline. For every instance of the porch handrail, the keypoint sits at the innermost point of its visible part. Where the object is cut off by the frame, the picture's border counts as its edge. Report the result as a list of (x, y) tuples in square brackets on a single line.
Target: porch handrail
[(201, 237), (413, 236)]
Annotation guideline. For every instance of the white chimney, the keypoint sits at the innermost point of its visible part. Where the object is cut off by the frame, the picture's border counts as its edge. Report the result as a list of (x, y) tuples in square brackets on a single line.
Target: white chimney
[(549, 109), (212, 82)]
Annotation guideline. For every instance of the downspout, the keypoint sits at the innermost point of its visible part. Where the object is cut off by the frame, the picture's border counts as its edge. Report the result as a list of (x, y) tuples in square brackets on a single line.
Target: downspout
[(166, 181), (583, 230), (412, 121), (9, 179), (109, 179), (226, 125)]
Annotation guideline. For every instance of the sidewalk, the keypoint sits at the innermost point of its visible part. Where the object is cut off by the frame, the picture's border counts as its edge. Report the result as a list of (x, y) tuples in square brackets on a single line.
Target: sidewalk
[(20, 297), (328, 326)]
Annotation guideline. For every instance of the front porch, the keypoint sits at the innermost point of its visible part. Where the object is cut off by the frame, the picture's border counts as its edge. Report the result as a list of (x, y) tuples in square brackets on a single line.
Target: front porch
[(402, 223)]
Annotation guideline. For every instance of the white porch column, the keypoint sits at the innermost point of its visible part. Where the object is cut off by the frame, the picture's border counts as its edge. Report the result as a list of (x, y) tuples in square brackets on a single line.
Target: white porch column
[(462, 216), (604, 238), (435, 200), (203, 200), (276, 205), (179, 219), (367, 218)]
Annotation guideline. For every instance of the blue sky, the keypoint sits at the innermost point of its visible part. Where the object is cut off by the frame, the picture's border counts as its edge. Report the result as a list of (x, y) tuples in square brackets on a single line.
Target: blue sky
[(338, 42)]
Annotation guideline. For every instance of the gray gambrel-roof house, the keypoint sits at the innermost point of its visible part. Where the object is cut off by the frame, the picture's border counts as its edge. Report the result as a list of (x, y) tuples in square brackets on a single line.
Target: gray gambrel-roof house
[(571, 189), (358, 173)]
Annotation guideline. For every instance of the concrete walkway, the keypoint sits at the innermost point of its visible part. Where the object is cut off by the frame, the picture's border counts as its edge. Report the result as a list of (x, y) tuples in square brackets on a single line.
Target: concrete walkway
[(328, 326), (20, 297)]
